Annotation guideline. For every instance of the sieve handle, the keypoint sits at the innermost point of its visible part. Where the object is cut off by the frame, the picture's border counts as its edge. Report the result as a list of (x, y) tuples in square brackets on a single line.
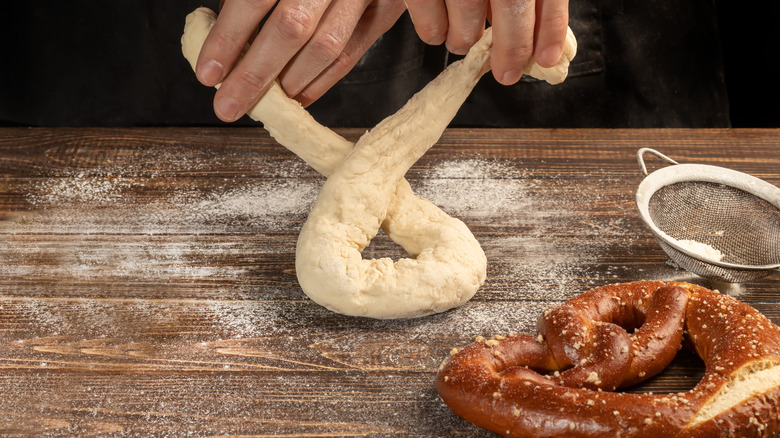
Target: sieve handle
[(641, 159)]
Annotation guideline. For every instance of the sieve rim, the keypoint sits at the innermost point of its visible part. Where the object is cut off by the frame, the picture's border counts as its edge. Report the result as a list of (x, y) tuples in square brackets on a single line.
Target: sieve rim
[(702, 173)]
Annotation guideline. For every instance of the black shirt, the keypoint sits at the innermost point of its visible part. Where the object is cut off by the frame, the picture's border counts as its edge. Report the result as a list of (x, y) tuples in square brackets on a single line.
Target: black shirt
[(94, 63)]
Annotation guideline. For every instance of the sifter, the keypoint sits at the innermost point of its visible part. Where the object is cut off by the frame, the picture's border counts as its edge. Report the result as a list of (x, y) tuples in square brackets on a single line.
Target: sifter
[(715, 222)]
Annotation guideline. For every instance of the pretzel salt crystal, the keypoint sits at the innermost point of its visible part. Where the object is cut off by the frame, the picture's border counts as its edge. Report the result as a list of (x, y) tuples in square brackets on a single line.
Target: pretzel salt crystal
[(366, 189), (517, 386)]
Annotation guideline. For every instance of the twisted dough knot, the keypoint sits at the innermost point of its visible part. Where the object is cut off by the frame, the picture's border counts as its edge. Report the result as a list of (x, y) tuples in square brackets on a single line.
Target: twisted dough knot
[(366, 190), (587, 345), (544, 386)]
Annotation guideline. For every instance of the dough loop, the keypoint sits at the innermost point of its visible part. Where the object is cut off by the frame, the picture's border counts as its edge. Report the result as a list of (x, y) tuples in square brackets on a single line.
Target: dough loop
[(366, 190)]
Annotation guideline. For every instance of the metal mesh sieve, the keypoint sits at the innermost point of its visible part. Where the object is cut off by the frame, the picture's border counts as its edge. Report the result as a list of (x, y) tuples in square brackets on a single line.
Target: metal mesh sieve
[(712, 208)]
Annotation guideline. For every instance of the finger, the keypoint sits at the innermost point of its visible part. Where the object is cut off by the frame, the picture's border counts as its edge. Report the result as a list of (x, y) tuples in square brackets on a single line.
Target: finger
[(326, 44), (235, 25), (466, 24), (377, 19), (430, 20), (552, 19), (285, 31), (513, 36)]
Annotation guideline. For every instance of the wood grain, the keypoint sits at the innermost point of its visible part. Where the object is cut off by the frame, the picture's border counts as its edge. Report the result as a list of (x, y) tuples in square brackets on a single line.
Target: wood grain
[(148, 282)]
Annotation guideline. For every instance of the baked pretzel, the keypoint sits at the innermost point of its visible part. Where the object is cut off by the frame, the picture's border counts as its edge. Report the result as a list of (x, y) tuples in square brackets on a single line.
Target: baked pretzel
[(611, 337), (366, 190)]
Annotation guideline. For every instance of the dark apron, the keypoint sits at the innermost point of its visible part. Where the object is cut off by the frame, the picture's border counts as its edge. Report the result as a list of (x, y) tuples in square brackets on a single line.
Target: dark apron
[(93, 63), (639, 64)]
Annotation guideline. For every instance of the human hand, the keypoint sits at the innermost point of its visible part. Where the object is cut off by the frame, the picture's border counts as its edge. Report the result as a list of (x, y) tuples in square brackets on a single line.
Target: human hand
[(308, 44), (521, 29)]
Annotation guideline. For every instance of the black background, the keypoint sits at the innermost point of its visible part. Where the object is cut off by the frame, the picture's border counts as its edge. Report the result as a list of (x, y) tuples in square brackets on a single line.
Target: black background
[(119, 63)]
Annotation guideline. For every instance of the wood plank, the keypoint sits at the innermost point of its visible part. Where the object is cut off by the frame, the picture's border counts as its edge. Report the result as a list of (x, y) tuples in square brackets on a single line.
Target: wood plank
[(148, 276)]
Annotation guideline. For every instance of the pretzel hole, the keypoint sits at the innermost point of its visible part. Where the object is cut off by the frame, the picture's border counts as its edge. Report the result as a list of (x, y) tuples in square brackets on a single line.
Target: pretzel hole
[(631, 323), (632, 315), (382, 246), (628, 315)]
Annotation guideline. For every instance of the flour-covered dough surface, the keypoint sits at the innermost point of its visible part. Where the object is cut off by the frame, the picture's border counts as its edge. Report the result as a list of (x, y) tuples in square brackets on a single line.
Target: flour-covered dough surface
[(366, 190)]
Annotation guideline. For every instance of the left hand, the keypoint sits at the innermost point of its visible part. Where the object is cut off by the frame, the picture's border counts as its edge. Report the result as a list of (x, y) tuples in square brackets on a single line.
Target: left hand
[(308, 44)]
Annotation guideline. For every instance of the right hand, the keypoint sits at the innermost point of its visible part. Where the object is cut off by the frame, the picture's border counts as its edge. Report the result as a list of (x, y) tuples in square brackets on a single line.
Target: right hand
[(308, 44)]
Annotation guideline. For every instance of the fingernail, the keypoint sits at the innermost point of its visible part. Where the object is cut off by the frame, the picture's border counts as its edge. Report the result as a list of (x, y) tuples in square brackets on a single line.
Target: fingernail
[(436, 40), (549, 56), (226, 108), (511, 77), (210, 73), (304, 99), (456, 50)]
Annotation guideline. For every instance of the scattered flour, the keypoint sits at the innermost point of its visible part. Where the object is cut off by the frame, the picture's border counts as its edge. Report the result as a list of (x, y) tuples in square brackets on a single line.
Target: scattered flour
[(270, 205), (493, 193), (476, 188), (217, 315), (81, 189)]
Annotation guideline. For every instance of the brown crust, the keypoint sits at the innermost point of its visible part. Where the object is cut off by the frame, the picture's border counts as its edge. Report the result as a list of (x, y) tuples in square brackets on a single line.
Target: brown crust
[(551, 385)]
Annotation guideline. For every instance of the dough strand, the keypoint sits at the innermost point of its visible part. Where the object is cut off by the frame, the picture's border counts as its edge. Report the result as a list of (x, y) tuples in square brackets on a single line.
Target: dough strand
[(366, 190)]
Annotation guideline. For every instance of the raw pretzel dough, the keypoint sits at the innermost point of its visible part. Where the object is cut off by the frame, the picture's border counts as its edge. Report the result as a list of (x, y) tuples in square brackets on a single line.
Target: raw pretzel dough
[(365, 189)]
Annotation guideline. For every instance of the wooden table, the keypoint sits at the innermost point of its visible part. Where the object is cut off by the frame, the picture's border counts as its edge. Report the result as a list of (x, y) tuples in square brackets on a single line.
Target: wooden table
[(147, 282)]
